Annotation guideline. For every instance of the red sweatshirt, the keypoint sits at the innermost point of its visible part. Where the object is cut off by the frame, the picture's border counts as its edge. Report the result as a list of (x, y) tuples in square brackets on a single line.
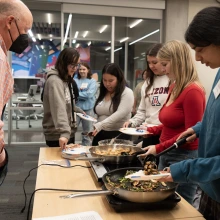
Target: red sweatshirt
[(183, 113)]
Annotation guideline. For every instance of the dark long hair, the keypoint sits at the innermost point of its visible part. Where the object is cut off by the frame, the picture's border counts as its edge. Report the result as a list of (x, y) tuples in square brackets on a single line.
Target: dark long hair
[(152, 51), (204, 28), (115, 70), (67, 56), (89, 74)]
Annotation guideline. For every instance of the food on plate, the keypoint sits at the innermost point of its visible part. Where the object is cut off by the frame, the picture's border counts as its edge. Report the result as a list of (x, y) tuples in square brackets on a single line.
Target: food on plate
[(139, 130), (137, 185), (119, 151), (69, 146)]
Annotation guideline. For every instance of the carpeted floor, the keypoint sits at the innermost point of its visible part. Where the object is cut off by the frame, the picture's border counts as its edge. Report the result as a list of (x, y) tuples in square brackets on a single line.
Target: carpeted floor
[(21, 160)]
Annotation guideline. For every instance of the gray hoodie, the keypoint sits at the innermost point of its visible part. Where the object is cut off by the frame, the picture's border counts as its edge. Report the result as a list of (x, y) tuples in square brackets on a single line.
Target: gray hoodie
[(58, 120)]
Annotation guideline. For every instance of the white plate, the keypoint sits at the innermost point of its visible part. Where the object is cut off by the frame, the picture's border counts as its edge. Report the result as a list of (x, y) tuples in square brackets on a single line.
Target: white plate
[(133, 131), (148, 125), (86, 117), (141, 176)]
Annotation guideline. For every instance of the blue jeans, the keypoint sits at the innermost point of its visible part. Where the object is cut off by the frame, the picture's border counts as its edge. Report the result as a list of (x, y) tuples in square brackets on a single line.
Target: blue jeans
[(186, 190), (86, 126)]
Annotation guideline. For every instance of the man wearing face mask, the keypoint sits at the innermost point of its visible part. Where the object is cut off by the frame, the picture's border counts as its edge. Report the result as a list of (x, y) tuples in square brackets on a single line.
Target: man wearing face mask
[(15, 19)]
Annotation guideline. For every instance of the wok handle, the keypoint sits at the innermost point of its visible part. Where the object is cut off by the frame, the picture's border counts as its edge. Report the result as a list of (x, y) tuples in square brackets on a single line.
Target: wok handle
[(97, 159), (98, 193), (175, 145)]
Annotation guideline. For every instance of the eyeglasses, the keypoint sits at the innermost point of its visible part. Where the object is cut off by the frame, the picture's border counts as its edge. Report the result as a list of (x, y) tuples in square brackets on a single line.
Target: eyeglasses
[(73, 65)]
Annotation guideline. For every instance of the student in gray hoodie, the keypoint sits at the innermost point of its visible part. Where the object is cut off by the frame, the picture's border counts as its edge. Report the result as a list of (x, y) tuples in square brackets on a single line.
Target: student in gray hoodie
[(59, 124)]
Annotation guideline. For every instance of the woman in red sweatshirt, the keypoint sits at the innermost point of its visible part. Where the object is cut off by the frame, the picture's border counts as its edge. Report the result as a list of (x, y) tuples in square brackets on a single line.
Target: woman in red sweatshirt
[(184, 107)]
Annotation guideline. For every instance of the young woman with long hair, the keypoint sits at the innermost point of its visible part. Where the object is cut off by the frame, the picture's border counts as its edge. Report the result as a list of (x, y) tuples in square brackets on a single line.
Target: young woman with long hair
[(114, 104), (154, 93)]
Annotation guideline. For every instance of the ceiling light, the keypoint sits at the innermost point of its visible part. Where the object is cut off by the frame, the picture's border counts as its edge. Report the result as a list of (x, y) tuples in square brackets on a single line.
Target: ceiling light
[(118, 49), (136, 58), (124, 39), (109, 41), (39, 36), (50, 35), (42, 46), (67, 28), (143, 54), (74, 41), (33, 39), (108, 48), (51, 39), (133, 42), (49, 19), (103, 28), (77, 45), (89, 43), (30, 33), (76, 34), (142, 59), (136, 23), (85, 34)]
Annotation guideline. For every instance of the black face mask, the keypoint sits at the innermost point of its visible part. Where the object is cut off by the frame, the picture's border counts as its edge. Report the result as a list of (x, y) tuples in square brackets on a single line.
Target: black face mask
[(20, 44)]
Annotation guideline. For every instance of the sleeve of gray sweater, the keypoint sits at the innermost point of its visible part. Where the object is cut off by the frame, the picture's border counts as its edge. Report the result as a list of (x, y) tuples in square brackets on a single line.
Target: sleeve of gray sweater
[(58, 106), (124, 109)]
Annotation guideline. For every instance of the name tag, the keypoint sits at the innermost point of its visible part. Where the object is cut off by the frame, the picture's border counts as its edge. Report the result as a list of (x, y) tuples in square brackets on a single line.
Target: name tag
[(216, 90), (84, 86)]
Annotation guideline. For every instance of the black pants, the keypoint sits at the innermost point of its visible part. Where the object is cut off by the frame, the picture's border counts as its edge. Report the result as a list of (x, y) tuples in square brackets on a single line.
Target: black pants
[(56, 143), (152, 140), (103, 135)]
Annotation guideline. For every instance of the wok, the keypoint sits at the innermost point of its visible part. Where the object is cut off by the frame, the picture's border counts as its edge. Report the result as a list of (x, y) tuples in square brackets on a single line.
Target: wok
[(139, 197), (111, 159)]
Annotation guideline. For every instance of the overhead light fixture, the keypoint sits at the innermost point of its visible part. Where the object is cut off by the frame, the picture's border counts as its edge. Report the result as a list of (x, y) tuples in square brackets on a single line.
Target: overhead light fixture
[(33, 39), (77, 45), (154, 32), (42, 46), (50, 35), (109, 41), (39, 36), (76, 34), (89, 43), (51, 39), (136, 58), (30, 33), (74, 41), (108, 48), (85, 34), (136, 23), (118, 49), (124, 39), (143, 54), (67, 28), (103, 29), (142, 59), (49, 18)]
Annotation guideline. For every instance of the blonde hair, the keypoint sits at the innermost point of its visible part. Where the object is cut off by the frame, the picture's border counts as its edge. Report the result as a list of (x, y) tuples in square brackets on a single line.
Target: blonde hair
[(181, 65)]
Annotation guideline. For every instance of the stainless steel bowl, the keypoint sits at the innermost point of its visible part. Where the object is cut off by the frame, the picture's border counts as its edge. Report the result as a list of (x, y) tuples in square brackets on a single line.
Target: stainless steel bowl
[(116, 141)]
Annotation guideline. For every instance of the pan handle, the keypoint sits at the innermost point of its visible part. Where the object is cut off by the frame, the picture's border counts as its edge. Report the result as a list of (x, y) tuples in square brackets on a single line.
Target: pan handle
[(175, 145), (97, 159), (98, 193)]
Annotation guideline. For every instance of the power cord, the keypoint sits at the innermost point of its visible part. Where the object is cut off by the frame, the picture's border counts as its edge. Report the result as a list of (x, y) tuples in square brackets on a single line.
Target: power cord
[(66, 190)]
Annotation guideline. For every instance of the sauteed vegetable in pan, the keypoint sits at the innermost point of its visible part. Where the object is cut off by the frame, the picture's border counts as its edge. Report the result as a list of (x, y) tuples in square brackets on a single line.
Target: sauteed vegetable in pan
[(140, 186)]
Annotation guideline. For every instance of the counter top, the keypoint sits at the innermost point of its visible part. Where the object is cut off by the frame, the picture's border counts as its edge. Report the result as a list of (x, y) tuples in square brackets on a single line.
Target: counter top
[(48, 203)]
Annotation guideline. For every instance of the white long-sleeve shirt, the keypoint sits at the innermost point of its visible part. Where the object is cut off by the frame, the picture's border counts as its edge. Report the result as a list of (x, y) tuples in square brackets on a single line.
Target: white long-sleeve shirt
[(109, 121), (150, 106)]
